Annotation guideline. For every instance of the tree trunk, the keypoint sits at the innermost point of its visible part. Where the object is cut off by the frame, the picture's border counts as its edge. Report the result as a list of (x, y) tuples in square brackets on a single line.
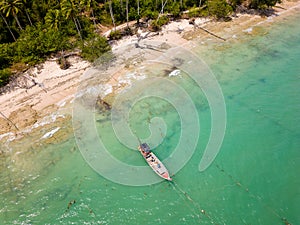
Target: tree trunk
[(163, 4), (78, 23), (10, 31), (77, 28), (127, 19), (28, 17), (111, 14), (94, 21), (138, 11), (208, 7), (18, 22), (121, 3)]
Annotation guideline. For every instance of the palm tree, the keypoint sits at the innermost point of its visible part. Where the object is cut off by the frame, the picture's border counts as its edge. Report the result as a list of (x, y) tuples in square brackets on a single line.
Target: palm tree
[(69, 10), (10, 31), (52, 18), (39, 8), (11, 7), (88, 6), (26, 12)]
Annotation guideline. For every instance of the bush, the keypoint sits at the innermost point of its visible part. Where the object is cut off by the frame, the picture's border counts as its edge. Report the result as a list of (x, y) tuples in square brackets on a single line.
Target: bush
[(36, 43), (94, 48), (127, 31), (162, 20), (4, 76), (174, 9), (115, 35), (150, 15), (4, 61), (194, 12), (19, 67), (63, 63), (263, 4), (6, 53), (157, 24), (219, 8)]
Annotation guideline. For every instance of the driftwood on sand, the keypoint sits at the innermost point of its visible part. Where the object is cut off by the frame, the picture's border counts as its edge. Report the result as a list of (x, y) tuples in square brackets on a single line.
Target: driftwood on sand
[(147, 35), (7, 119), (223, 39), (34, 83), (205, 30), (23, 81)]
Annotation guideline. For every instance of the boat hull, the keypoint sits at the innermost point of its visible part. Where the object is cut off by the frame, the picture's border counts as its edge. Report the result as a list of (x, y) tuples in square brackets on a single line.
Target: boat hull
[(156, 165)]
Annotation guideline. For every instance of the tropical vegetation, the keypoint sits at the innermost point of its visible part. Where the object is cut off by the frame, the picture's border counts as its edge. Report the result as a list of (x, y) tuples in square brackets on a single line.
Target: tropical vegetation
[(32, 30)]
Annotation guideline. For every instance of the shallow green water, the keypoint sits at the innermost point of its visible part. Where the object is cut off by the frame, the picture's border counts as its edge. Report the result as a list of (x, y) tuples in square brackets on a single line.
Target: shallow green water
[(254, 179)]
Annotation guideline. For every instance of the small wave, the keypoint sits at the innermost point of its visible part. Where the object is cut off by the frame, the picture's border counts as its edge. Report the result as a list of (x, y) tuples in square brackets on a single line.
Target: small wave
[(249, 30), (129, 77), (50, 133), (94, 90), (61, 103), (47, 120), (10, 134), (102, 90), (174, 73), (133, 76), (34, 214), (107, 89), (18, 153)]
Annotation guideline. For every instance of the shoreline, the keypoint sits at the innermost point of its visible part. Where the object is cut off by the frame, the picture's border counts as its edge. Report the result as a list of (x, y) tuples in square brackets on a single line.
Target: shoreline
[(46, 105)]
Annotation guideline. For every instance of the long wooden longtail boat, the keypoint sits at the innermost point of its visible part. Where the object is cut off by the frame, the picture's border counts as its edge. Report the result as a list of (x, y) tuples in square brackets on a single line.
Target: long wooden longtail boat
[(154, 162)]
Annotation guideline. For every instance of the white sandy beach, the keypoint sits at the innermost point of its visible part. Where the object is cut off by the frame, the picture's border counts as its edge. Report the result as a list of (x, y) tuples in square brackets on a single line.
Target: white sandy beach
[(56, 87)]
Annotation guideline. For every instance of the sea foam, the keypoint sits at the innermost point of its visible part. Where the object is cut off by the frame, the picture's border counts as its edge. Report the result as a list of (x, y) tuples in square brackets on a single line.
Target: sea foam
[(50, 133)]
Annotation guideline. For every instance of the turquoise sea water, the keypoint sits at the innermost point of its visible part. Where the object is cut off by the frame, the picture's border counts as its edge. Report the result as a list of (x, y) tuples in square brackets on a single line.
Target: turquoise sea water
[(254, 179)]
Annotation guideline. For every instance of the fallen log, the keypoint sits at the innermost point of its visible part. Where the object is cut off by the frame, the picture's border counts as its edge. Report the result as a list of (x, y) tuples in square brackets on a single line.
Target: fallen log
[(212, 33), (9, 120), (207, 31)]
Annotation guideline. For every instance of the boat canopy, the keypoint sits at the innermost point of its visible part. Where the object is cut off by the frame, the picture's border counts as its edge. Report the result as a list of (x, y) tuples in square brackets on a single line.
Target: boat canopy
[(145, 148)]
